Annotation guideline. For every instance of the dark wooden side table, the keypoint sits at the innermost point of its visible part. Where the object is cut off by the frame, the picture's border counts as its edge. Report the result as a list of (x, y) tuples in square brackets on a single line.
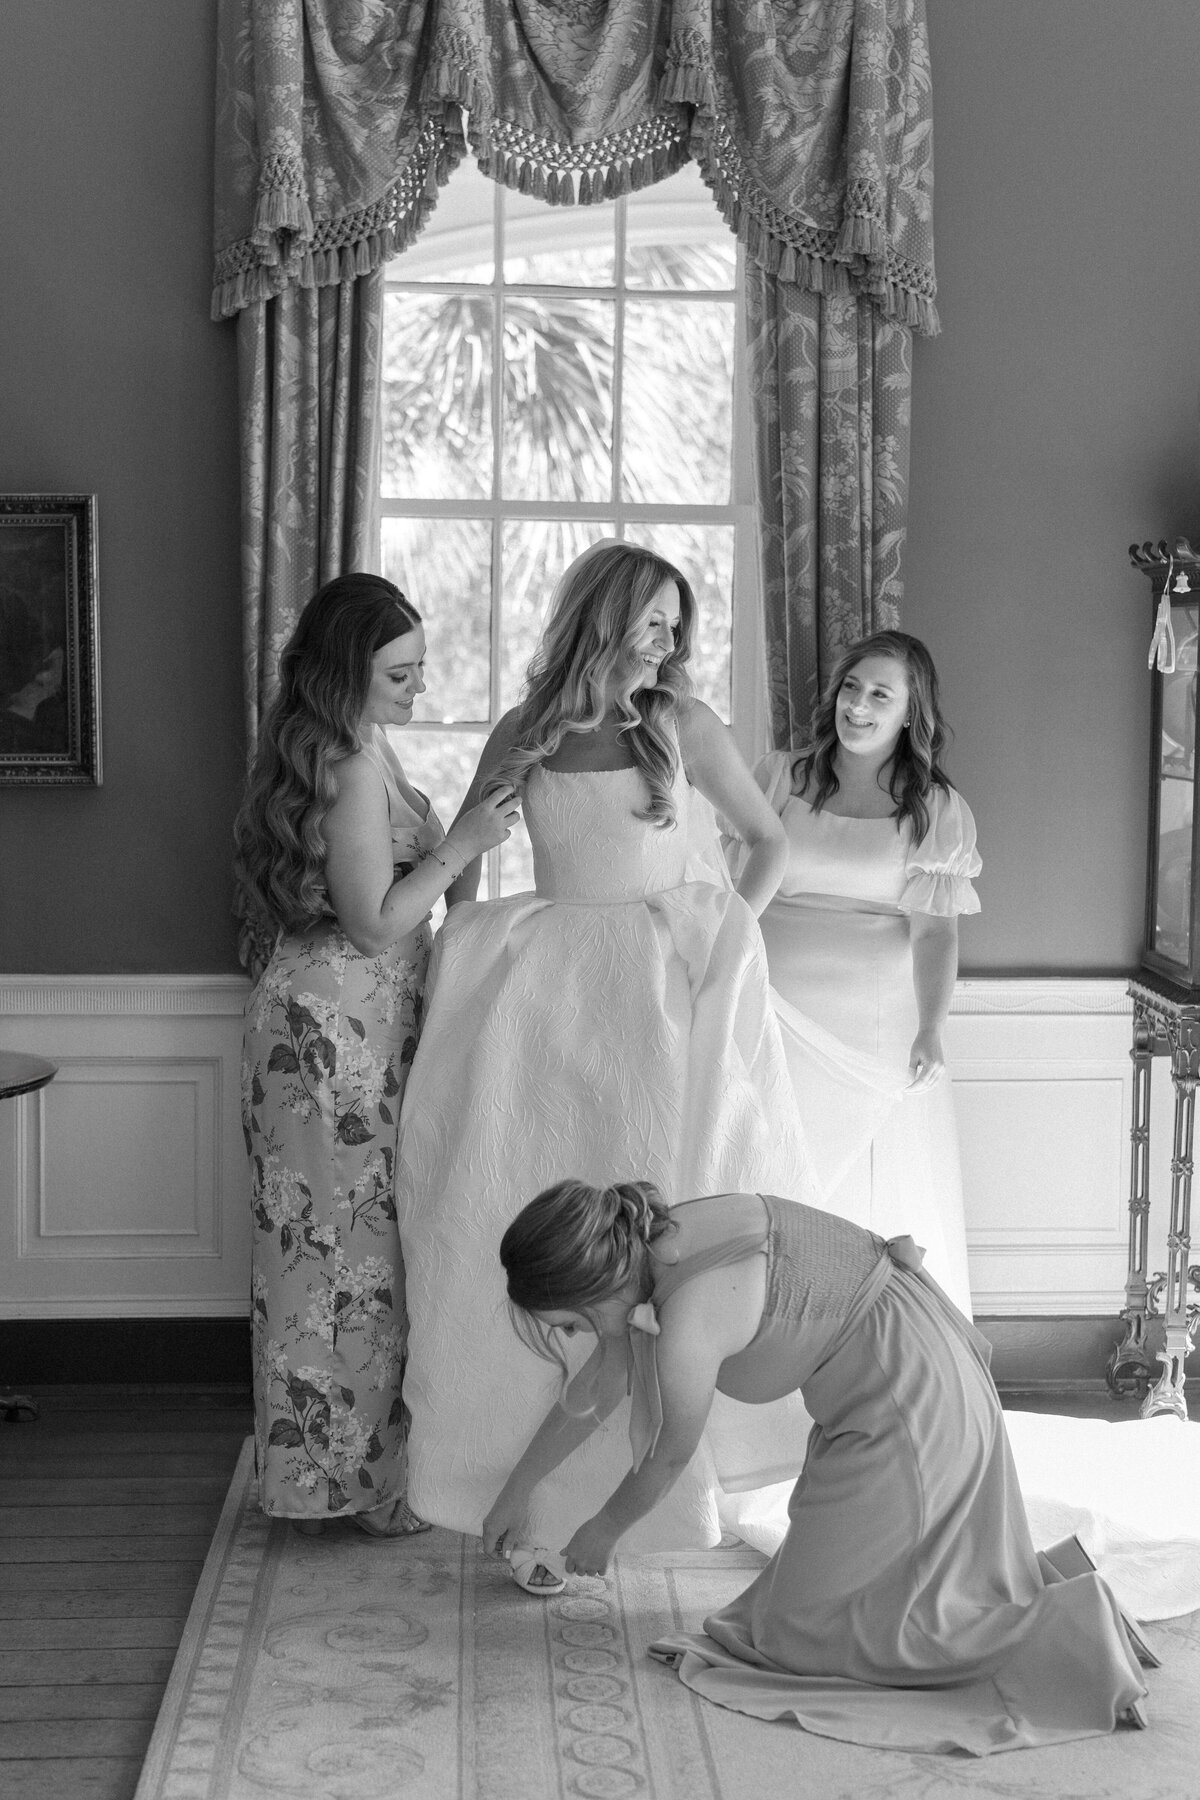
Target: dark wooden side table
[(1164, 1023), (21, 1074)]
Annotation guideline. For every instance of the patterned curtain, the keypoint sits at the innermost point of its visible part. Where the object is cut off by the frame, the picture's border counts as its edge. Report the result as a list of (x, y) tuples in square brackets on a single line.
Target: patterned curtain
[(831, 383), (308, 380), (337, 124)]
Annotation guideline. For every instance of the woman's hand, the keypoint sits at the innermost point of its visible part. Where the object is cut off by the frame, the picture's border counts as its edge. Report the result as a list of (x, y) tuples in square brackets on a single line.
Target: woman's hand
[(935, 965), (590, 1550), (487, 824), (507, 1524), (926, 1061)]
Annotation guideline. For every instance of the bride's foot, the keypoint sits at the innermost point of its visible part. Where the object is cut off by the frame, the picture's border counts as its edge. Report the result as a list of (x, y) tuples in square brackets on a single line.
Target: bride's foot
[(533, 1576), (397, 1519), (309, 1527)]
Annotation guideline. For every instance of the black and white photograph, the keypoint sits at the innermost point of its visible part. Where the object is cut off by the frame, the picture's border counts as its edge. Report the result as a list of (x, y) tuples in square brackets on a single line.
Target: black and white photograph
[(598, 1114)]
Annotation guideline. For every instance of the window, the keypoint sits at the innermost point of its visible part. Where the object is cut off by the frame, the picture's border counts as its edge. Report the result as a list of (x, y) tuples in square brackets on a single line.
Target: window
[(552, 376)]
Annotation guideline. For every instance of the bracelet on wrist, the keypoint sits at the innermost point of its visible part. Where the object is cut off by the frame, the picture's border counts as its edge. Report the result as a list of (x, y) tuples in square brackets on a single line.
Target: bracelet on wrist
[(453, 868)]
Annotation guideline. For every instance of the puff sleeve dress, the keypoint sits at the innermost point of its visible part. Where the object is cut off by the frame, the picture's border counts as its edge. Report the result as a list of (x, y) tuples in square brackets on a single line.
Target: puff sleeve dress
[(839, 951)]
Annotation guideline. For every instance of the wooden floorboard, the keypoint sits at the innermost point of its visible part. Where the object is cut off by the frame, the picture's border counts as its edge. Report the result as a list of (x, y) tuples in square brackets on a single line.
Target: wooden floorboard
[(50, 1547), (108, 1503), (58, 1778), (152, 1631), (74, 1738), (50, 1518), (132, 1700), (94, 1668), (60, 1467), (164, 1600), (96, 1577), (98, 1490)]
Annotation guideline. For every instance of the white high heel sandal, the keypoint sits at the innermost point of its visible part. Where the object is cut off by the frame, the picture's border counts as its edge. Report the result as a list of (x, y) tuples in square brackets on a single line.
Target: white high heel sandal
[(523, 1561)]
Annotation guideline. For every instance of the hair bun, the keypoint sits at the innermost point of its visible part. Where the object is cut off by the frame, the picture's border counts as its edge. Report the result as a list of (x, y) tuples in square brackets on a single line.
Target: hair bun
[(635, 1207)]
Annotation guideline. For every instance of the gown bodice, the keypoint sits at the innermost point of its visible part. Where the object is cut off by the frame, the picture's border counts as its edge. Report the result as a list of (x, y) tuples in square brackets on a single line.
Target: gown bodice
[(859, 859), (874, 865), (590, 845)]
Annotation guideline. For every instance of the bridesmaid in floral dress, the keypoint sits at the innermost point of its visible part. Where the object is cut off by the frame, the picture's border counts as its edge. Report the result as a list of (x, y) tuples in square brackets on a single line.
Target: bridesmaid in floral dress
[(339, 860)]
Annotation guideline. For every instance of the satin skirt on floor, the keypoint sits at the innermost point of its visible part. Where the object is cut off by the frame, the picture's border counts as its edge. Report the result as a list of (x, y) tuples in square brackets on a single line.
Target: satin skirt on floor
[(906, 1607)]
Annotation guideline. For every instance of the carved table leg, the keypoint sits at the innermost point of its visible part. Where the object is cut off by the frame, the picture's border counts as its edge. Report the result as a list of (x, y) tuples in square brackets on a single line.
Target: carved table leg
[(1167, 1394), (1130, 1364)]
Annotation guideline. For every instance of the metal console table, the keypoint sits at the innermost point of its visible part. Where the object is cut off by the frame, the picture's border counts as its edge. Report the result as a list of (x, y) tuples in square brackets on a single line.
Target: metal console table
[(1166, 1021)]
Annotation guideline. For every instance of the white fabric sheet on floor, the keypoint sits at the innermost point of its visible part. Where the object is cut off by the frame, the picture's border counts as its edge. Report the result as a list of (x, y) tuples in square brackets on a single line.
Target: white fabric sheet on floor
[(1129, 1490)]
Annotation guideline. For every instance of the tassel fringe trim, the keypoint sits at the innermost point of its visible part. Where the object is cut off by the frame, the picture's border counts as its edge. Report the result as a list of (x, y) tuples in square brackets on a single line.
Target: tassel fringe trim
[(341, 249), (286, 248)]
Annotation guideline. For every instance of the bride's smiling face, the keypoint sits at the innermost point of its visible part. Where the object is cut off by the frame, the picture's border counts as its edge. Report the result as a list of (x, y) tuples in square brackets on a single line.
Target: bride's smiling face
[(653, 637)]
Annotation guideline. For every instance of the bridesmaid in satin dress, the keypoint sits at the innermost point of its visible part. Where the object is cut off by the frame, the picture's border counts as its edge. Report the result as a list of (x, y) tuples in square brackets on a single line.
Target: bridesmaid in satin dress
[(862, 936), (906, 1606)]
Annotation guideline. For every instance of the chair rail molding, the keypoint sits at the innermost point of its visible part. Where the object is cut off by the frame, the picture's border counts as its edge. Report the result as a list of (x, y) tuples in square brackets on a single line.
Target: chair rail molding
[(123, 1187)]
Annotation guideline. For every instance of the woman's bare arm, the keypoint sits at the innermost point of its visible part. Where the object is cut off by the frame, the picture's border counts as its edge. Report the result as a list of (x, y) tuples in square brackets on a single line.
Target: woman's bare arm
[(466, 885), (935, 969), (372, 907), (715, 765)]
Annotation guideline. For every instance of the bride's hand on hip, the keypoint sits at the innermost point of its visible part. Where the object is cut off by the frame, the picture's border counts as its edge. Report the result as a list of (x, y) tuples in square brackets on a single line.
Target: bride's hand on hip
[(926, 1061)]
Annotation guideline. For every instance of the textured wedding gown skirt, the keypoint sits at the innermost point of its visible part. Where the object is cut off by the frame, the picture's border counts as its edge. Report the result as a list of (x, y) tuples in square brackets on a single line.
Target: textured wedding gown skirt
[(616, 1024)]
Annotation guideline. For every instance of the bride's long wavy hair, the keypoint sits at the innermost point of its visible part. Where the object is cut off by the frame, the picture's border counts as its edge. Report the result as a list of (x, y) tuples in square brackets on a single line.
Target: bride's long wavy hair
[(324, 674), (916, 767), (586, 666)]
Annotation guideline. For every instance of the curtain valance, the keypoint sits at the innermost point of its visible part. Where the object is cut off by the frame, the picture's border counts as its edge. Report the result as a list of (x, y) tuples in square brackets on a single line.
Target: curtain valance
[(338, 120)]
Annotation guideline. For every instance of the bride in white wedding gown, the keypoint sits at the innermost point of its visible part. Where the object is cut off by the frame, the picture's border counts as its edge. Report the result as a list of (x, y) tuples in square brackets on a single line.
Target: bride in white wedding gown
[(616, 1022)]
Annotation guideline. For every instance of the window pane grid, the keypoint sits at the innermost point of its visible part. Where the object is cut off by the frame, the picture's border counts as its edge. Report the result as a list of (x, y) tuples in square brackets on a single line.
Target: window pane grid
[(697, 532)]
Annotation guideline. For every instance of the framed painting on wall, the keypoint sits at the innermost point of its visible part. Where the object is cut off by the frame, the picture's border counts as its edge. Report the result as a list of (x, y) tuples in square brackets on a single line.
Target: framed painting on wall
[(49, 641)]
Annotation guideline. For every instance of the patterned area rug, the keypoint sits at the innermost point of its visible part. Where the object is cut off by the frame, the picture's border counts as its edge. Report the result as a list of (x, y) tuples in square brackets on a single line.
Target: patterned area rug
[(415, 1670)]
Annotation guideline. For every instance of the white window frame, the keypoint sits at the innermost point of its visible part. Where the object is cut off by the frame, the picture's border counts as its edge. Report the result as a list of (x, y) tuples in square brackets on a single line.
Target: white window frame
[(748, 706)]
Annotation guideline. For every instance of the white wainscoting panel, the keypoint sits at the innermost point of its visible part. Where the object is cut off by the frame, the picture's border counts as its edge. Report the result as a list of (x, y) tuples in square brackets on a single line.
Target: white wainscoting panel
[(123, 1188), (1043, 1089)]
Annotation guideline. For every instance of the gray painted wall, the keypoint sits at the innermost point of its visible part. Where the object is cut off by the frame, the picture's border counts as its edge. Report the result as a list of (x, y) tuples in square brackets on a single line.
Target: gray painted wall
[(114, 381), (1055, 421)]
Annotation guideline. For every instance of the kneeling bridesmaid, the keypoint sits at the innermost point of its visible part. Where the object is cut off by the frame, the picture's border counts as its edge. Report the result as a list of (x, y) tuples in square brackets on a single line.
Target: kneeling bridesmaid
[(906, 1607)]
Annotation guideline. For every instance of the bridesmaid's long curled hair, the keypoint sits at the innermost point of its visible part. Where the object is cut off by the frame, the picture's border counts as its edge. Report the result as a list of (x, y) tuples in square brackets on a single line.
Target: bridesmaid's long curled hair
[(916, 766), (585, 664), (575, 1245), (312, 723)]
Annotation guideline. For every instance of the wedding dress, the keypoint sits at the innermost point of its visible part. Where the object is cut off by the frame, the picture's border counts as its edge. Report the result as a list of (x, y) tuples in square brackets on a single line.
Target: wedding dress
[(614, 1024)]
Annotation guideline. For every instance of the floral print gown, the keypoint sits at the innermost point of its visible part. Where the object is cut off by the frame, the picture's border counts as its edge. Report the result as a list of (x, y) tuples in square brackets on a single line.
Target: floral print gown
[(329, 1038)]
